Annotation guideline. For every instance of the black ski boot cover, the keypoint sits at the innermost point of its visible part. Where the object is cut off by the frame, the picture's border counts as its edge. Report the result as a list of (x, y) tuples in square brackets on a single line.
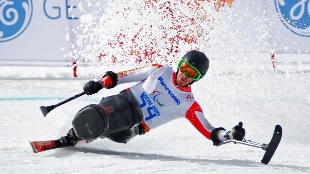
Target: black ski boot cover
[(90, 122), (69, 140)]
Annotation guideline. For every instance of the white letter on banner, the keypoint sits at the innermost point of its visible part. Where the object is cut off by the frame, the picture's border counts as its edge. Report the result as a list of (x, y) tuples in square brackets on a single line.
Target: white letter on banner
[(8, 13), (309, 8), (302, 5)]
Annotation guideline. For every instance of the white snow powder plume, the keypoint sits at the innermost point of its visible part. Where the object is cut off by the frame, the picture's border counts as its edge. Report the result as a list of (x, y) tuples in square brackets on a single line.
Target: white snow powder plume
[(144, 31)]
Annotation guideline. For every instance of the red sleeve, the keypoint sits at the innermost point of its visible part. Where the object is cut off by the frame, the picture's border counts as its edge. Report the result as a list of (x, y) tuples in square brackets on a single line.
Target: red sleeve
[(157, 65), (195, 115)]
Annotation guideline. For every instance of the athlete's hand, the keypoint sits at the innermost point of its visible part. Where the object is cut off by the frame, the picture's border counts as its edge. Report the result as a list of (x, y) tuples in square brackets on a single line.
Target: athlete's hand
[(238, 132), (92, 87)]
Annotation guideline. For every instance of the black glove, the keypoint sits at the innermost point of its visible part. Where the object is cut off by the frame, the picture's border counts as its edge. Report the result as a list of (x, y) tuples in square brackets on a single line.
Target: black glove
[(92, 87), (238, 132)]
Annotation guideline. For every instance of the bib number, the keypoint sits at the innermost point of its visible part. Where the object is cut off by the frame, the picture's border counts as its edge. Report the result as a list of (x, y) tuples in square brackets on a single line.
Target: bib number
[(151, 109)]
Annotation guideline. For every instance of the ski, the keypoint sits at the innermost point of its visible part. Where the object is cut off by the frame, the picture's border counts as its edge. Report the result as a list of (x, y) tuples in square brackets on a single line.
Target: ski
[(40, 146), (272, 146), (269, 148)]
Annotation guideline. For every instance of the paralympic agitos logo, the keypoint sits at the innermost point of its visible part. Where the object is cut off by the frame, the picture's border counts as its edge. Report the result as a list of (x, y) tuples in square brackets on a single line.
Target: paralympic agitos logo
[(156, 94), (295, 15), (15, 17)]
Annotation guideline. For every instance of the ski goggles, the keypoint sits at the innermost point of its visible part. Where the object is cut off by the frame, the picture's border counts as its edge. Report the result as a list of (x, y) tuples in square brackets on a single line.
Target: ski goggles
[(189, 70)]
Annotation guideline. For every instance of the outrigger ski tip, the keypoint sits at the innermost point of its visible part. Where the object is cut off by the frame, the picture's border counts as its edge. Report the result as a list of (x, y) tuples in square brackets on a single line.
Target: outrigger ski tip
[(269, 148), (272, 146)]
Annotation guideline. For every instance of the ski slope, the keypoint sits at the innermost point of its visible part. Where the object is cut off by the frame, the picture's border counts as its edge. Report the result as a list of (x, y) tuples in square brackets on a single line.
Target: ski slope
[(259, 97)]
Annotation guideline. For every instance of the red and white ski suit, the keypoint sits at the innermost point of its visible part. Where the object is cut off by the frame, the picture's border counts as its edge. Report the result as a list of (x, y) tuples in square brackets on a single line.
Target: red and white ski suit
[(162, 100)]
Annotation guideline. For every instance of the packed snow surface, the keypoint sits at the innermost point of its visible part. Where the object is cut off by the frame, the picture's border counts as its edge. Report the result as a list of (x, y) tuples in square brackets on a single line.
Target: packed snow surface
[(260, 98)]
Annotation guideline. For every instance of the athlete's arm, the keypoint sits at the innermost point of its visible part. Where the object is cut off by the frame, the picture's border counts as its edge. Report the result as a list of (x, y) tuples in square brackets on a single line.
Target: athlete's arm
[(111, 79), (195, 115), (136, 74)]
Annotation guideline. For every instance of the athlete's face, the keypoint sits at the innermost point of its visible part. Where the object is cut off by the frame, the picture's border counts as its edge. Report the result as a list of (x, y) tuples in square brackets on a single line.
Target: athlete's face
[(182, 79), (186, 73)]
